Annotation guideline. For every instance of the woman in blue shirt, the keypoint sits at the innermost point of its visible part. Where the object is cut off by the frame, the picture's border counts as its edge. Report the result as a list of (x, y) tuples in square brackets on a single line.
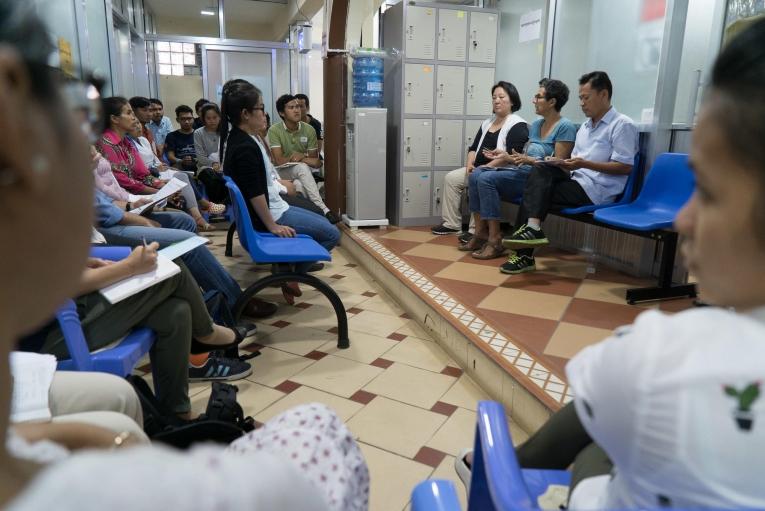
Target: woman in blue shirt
[(550, 136)]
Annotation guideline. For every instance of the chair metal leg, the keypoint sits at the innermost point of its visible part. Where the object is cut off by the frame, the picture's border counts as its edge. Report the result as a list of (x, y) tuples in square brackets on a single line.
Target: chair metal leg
[(303, 278), (665, 289), (230, 240)]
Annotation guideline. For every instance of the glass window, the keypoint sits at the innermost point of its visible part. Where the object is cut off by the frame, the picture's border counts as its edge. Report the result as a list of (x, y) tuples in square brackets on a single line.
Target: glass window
[(60, 19), (100, 61), (622, 38), (521, 62), (189, 17), (177, 59), (698, 42)]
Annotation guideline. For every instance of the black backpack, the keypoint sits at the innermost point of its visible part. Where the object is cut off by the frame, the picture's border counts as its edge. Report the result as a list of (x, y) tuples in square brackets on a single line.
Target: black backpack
[(223, 421)]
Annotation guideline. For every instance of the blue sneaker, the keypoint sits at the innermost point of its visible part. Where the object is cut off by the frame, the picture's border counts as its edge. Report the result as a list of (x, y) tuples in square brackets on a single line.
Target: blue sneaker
[(220, 369)]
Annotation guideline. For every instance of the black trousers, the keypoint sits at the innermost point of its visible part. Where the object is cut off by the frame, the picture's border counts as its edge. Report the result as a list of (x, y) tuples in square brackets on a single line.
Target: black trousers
[(561, 442), (301, 202), (549, 188)]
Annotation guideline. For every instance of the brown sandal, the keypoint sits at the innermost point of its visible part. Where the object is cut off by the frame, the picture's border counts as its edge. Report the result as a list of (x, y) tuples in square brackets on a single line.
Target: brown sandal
[(474, 244), (489, 251)]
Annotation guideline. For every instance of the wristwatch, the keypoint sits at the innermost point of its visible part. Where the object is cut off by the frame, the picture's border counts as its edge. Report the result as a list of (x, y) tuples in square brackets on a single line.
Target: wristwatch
[(127, 207)]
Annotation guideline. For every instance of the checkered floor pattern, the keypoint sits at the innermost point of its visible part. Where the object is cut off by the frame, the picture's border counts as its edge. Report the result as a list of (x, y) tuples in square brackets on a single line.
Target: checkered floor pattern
[(536, 321)]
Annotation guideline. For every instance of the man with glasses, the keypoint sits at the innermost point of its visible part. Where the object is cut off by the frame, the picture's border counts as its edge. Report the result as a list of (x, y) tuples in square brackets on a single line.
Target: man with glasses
[(602, 159), (296, 151), (179, 144)]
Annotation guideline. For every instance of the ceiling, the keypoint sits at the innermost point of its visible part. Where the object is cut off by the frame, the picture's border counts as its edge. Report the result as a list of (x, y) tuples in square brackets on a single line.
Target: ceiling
[(257, 11)]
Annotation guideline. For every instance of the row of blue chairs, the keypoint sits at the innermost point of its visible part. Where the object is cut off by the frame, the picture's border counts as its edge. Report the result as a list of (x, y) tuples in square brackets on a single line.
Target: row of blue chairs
[(262, 248), (667, 186)]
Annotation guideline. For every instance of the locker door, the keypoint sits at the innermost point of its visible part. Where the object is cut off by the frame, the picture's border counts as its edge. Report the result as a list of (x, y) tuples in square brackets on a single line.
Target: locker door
[(438, 191), (448, 143), (418, 89), (415, 202), (450, 95), (471, 129), (479, 82), (418, 141), (420, 32), (452, 33), (483, 37)]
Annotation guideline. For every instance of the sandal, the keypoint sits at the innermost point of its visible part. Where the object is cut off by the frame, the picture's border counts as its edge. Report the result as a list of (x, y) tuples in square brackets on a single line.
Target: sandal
[(473, 245), (216, 209), (489, 251), (290, 290), (198, 347), (203, 226)]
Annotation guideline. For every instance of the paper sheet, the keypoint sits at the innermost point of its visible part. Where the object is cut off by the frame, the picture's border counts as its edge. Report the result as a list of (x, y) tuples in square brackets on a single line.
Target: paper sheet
[(180, 248), (32, 376), (166, 191), (531, 26), (133, 285)]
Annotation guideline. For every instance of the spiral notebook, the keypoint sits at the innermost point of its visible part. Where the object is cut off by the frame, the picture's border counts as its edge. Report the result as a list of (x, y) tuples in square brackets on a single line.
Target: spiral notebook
[(130, 286)]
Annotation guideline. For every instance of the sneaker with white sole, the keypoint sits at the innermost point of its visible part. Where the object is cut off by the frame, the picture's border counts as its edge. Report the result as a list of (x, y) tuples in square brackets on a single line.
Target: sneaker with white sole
[(442, 230), (526, 237), (220, 369), (518, 264)]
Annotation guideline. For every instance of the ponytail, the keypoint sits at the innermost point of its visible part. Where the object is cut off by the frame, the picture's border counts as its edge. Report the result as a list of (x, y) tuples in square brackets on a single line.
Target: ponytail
[(237, 95)]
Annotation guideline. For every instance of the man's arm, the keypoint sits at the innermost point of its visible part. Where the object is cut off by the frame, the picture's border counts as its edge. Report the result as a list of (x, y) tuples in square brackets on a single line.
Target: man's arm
[(311, 157), (607, 167)]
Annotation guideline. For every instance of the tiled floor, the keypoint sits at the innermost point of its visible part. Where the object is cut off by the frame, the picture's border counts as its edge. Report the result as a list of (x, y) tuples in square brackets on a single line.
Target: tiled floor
[(536, 321), (406, 401)]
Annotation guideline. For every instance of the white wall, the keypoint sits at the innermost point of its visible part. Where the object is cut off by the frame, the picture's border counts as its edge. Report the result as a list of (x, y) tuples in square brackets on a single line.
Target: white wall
[(179, 90)]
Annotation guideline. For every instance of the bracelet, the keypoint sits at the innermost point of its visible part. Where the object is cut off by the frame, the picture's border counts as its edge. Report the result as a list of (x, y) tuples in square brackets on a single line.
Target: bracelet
[(120, 439)]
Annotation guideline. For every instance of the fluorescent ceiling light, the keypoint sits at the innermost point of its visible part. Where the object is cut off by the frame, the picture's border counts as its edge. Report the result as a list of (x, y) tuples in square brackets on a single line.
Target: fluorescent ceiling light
[(207, 12)]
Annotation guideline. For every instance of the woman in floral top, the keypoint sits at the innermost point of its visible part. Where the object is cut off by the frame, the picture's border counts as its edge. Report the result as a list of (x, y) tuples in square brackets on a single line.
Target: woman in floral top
[(127, 165)]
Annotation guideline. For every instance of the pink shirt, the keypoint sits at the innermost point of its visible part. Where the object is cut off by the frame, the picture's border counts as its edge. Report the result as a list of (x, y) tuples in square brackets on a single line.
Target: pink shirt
[(127, 166), (106, 182)]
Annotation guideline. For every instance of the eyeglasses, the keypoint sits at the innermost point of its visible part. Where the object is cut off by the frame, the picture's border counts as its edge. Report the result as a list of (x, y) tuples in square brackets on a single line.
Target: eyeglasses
[(539, 96), (261, 108), (84, 97)]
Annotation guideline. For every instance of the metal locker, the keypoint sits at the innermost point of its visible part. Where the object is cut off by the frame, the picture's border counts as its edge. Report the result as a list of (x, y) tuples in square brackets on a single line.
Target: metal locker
[(420, 32), (415, 200), (438, 191), (452, 34), (483, 37), (418, 89), (471, 130), (450, 87), (478, 92), (418, 141), (448, 143)]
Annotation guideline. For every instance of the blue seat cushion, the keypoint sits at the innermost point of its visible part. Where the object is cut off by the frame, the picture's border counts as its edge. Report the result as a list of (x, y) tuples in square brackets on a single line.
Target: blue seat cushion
[(634, 216)]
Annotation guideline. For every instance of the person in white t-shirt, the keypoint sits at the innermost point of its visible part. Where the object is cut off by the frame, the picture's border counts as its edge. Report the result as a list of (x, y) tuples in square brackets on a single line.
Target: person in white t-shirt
[(670, 411)]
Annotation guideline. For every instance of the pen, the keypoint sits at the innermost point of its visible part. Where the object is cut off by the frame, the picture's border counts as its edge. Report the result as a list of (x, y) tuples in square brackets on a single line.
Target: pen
[(143, 238)]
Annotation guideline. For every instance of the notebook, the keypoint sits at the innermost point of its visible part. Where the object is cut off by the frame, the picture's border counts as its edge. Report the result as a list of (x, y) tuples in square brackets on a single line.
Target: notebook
[(173, 186), (123, 289), (32, 376)]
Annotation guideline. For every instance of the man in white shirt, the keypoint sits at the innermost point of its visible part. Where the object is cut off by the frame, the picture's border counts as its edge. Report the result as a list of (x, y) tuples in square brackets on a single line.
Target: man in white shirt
[(602, 159), (669, 412)]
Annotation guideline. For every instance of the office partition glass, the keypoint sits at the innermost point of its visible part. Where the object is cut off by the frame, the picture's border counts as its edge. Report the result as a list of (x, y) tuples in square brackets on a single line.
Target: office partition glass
[(622, 38)]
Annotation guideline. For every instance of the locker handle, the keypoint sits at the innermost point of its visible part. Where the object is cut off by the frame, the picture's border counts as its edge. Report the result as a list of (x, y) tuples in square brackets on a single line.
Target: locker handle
[(443, 34), (437, 195), (474, 37), (440, 90)]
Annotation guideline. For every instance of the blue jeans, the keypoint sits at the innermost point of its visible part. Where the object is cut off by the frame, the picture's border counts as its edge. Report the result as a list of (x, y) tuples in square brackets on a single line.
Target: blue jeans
[(205, 268), (316, 226), (487, 187)]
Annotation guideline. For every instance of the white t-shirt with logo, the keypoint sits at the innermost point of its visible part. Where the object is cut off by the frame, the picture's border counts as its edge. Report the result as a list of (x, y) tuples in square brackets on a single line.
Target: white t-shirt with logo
[(677, 403)]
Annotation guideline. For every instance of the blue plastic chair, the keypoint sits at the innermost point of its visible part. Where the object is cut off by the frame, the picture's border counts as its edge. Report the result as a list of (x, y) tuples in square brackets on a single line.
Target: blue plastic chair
[(624, 198), (668, 186), (268, 248), (119, 360), (497, 482)]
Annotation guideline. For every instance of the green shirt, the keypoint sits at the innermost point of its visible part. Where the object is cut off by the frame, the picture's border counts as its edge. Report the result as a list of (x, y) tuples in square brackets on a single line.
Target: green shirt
[(301, 140)]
